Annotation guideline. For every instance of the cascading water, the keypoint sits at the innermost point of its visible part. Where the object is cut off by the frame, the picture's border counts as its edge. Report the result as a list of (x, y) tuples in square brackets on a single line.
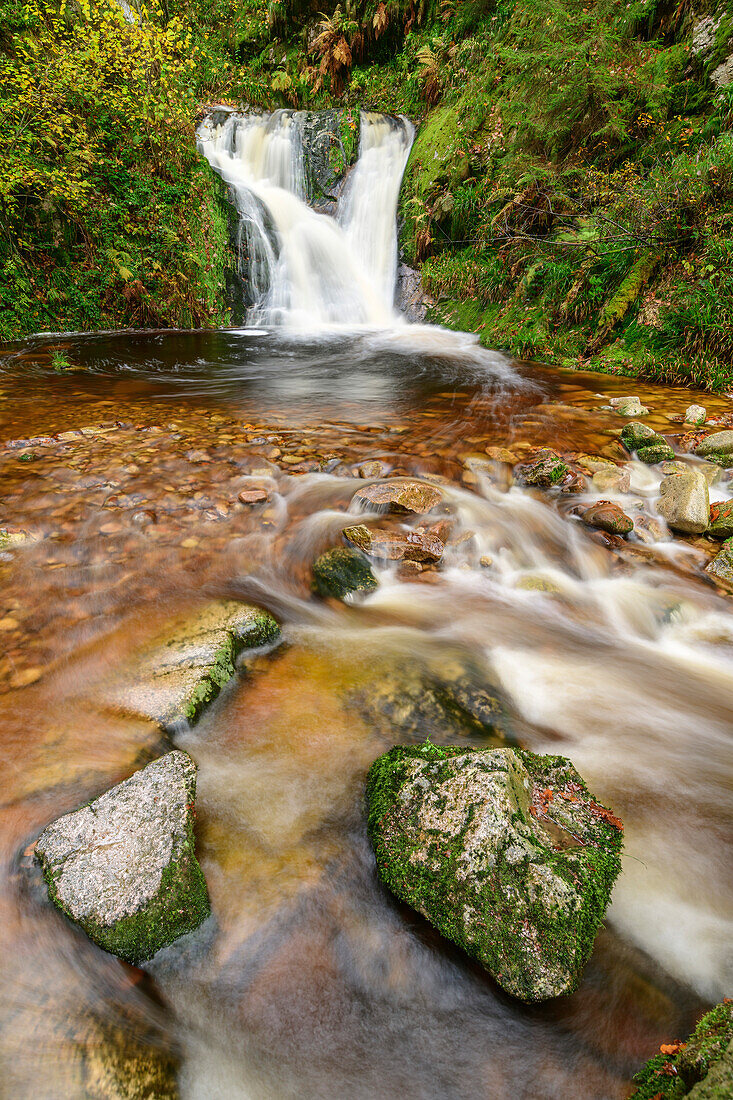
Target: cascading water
[(305, 269)]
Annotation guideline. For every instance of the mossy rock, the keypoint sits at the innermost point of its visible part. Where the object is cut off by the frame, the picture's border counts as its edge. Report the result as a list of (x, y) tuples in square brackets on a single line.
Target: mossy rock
[(656, 452), (543, 472), (124, 868), (506, 853), (721, 520), (181, 671), (342, 571), (701, 1068), (636, 434)]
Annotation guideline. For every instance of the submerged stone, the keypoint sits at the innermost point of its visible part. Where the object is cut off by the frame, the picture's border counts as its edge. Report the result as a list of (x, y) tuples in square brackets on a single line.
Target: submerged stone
[(398, 496), (186, 666), (684, 501), (544, 471), (504, 852), (701, 1068), (395, 545), (340, 571), (123, 867)]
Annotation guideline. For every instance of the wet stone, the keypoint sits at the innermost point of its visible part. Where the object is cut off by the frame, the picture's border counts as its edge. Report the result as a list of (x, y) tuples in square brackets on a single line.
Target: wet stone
[(636, 434), (721, 567), (177, 675), (544, 471), (656, 452), (607, 516), (684, 502), (504, 852), (716, 445), (398, 496), (700, 1068), (395, 545), (124, 868), (253, 496), (628, 406), (695, 414), (614, 478), (721, 520), (342, 571)]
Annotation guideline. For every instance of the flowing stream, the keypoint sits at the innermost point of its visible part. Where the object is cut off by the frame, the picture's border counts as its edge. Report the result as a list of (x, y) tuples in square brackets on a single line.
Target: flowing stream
[(125, 474)]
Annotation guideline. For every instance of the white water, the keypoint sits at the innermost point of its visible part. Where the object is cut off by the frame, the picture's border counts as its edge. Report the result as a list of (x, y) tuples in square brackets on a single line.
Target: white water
[(307, 270)]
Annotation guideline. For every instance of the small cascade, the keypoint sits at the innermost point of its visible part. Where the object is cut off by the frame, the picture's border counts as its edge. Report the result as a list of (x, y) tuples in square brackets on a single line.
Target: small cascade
[(305, 269)]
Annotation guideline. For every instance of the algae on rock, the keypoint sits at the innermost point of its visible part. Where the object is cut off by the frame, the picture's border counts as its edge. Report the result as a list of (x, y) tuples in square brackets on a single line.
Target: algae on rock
[(124, 868), (505, 852)]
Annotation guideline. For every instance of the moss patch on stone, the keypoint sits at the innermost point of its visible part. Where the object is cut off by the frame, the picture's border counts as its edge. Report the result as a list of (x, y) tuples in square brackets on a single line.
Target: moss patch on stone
[(341, 571), (701, 1068), (522, 890)]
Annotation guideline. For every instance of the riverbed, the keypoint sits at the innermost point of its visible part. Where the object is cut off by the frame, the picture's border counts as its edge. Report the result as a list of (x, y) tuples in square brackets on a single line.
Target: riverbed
[(128, 479)]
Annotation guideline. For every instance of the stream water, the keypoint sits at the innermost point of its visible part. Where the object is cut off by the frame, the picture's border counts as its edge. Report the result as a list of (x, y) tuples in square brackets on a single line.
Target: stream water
[(309, 980)]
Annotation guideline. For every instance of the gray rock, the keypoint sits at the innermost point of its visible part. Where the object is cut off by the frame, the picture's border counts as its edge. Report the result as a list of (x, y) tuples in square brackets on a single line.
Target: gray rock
[(612, 477), (123, 867), (505, 852), (695, 414), (719, 443), (173, 678), (628, 406), (410, 296), (655, 452), (721, 567), (684, 501), (703, 34), (723, 75)]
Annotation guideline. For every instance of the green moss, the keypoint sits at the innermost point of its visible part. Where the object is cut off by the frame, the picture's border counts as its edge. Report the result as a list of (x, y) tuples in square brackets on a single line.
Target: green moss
[(518, 946), (180, 905), (340, 572), (706, 1057)]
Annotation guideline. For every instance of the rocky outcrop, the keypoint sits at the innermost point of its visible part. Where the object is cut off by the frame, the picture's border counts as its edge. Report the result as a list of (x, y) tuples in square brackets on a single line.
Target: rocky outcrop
[(399, 496), (701, 1068), (410, 296), (174, 677), (340, 572), (684, 501), (330, 141), (505, 852), (124, 868)]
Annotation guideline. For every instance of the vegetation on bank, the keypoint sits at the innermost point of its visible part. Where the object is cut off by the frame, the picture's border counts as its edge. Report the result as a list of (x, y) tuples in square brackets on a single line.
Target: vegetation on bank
[(569, 195)]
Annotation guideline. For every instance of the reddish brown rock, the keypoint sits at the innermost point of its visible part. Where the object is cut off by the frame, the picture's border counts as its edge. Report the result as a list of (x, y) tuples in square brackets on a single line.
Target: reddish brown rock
[(607, 516), (395, 545), (399, 496), (253, 496)]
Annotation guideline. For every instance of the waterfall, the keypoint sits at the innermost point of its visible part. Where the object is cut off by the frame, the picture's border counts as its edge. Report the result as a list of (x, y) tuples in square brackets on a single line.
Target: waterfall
[(303, 268)]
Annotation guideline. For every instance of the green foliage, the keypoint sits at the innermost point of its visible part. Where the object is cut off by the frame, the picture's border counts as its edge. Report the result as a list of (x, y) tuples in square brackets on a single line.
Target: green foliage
[(674, 1072)]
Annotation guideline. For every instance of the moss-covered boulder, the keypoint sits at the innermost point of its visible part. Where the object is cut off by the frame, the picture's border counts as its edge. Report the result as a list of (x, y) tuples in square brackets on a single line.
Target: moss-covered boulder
[(721, 520), (341, 571), (636, 434), (175, 676), (544, 471), (701, 1068), (505, 852), (124, 868)]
